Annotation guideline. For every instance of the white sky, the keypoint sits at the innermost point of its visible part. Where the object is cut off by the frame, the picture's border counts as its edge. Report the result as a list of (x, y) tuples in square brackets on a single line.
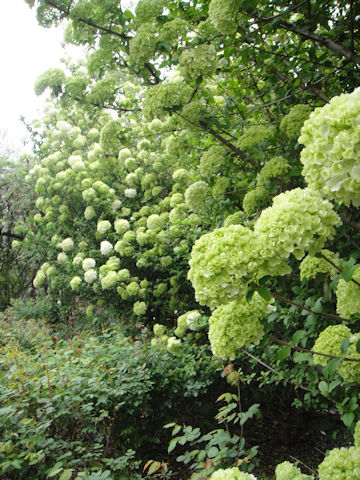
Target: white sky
[(26, 51)]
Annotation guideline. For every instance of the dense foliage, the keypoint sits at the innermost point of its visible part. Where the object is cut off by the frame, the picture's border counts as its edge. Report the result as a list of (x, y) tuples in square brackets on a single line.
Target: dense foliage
[(173, 192)]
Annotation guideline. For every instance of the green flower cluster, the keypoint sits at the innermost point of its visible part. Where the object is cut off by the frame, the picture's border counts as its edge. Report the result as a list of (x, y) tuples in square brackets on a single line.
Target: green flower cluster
[(288, 471), (341, 464), (237, 324), (298, 221), (142, 46), (277, 167), (223, 263), (348, 298), (329, 342), (331, 156), (211, 161), (255, 199), (291, 124), (231, 474), (164, 97), (53, 78), (198, 61), (223, 15), (357, 435), (254, 135), (196, 196), (350, 371), (312, 266), (148, 10)]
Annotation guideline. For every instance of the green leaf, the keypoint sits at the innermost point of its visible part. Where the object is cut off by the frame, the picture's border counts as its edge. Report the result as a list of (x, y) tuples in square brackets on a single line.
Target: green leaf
[(298, 335), (172, 444), (348, 418), (265, 293), (358, 346), (212, 452), (345, 345), (324, 388), (66, 475), (282, 353), (154, 467)]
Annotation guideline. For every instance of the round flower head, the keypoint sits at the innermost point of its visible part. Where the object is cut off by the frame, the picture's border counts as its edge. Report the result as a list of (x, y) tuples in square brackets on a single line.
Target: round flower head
[(121, 226), (288, 471), (341, 464), (106, 247), (67, 245), (223, 263), (237, 324), (62, 258), (231, 474), (277, 167), (211, 161), (124, 153), (348, 298), (90, 275), (329, 342), (223, 15), (130, 192), (299, 220), (198, 61), (350, 371), (331, 156), (88, 263), (311, 266), (39, 279), (291, 124), (196, 196), (103, 226), (173, 345), (75, 283), (109, 281), (89, 213), (140, 308)]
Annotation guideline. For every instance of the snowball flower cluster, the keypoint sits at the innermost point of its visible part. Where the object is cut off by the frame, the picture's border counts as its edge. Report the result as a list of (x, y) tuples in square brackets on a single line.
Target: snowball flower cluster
[(254, 135), (211, 161), (162, 98), (331, 156), (130, 192), (75, 283), (222, 264), (231, 474), (291, 124), (277, 167), (196, 196), (223, 15), (139, 308), (255, 199), (350, 371), (90, 276), (298, 221), (121, 225), (348, 298), (198, 61), (88, 263), (89, 213), (288, 471), (237, 324), (311, 266), (329, 342), (341, 464), (103, 226), (67, 245), (110, 280), (106, 247)]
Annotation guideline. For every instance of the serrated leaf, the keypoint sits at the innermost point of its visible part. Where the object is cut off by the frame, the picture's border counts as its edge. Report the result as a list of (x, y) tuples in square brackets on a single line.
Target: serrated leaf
[(298, 335)]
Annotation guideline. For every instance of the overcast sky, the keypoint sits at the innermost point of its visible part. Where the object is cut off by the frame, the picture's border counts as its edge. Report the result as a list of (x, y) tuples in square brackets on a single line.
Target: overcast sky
[(26, 51)]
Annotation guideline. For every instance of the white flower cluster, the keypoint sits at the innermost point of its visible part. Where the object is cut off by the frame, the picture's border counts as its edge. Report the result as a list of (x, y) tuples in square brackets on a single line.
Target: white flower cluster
[(223, 15), (331, 156), (196, 196)]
